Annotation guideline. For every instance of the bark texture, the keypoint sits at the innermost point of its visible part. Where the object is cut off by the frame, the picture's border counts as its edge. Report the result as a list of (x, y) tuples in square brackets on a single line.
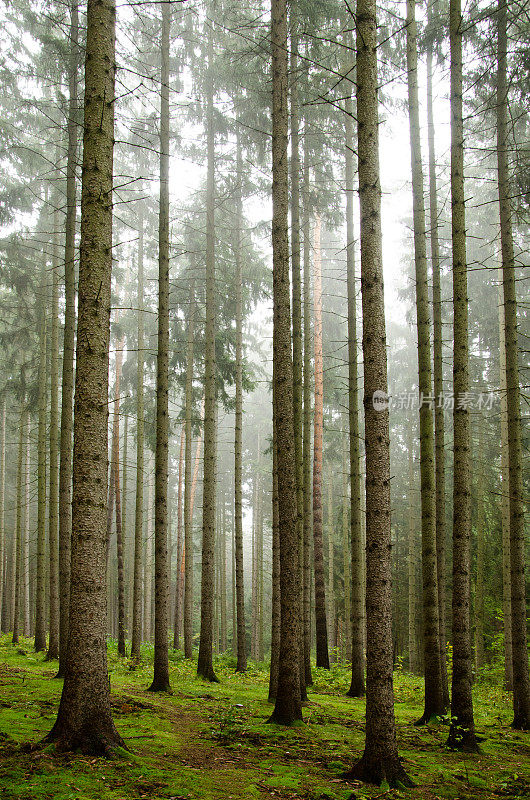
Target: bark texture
[(161, 663), (188, 529), (380, 760), (439, 420), (84, 719), (238, 431), (462, 730), (205, 664), (357, 688), (67, 381), (136, 638), (288, 706), (53, 507)]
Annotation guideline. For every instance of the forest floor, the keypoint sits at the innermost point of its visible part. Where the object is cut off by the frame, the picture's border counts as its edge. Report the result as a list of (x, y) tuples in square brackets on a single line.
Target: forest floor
[(213, 741)]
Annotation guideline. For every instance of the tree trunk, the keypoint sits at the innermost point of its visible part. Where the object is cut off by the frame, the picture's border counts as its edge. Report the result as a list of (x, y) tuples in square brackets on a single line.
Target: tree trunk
[(136, 639), (505, 504), (238, 431), (306, 443), (84, 720), (17, 542), (357, 688), (188, 528), (205, 664), (322, 659), (53, 509), (276, 600), (297, 316), (67, 382), (3, 549), (380, 760), (331, 568), (346, 549), (127, 560), (412, 560), (223, 638), (161, 662), (40, 582), (25, 577), (462, 731), (179, 574), (148, 556), (434, 705), (288, 707), (521, 677), (117, 497), (479, 583), (439, 420)]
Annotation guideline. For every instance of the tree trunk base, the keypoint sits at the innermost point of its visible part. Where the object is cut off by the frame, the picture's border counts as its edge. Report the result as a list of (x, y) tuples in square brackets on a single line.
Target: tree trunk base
[(284, 717), (462, 739), (97, 737), (521, 722), (241, 668), (160, 684), (376, 769), (430, 716), (207, 674), (52, 654), (357, 688)]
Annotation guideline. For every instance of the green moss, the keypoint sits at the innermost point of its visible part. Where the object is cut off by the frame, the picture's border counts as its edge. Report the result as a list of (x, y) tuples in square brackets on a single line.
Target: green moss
[(213, 741)]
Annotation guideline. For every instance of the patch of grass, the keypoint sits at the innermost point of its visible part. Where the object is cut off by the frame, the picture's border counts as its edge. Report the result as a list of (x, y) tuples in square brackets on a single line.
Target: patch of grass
[(213, 741)]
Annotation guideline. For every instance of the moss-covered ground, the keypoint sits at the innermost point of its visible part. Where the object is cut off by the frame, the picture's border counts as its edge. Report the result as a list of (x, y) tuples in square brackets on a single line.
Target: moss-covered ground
[(213, 740)]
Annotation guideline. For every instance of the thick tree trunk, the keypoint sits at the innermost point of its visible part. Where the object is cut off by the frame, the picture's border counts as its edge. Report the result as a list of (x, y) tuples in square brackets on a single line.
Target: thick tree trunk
[(40, 581), (322, 656), (288, 707), (521, 677), (67, 382), (434, 705), (297, 316), (161, 662), (205, 664), (136, 638), (357, 688), (188, 529), (238, 429), (439, 420), (84, 720), (462, 731), (380, 760)]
